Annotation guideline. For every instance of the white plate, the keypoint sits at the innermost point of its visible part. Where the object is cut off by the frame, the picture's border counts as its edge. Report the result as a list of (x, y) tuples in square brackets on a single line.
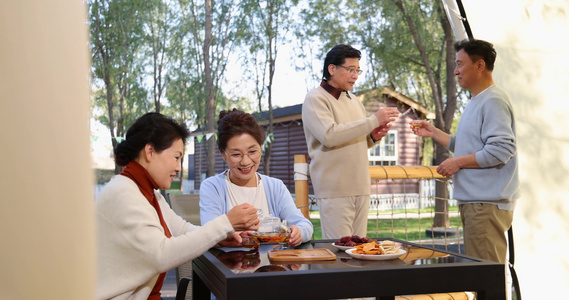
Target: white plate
[(342, 247), (376, 256)]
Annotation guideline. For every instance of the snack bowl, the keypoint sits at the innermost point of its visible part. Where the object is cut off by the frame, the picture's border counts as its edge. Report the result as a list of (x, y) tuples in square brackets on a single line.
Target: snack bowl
[(395, 255), (342, 247)]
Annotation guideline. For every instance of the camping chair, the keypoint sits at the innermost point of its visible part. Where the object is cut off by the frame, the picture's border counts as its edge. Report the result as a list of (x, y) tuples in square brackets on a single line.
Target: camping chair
[(183, 284), (186, 206), (515, 281)]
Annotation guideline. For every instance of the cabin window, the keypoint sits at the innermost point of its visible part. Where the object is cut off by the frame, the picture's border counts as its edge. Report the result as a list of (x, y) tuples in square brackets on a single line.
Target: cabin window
[(385, 152)]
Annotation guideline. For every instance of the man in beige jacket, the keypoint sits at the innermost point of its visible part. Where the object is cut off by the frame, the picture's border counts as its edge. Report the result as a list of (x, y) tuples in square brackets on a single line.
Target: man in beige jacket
[(339, 133)]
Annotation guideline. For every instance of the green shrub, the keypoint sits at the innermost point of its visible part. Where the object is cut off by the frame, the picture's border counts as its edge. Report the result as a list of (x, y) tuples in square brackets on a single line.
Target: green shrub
[(104, 175)]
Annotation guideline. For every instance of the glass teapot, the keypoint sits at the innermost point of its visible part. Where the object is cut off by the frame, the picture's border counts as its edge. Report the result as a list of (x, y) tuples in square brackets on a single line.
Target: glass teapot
[(272, 230)]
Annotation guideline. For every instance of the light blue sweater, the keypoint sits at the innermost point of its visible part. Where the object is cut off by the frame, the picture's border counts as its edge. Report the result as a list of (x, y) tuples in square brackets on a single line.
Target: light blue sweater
[(213, 202), (487, 128)]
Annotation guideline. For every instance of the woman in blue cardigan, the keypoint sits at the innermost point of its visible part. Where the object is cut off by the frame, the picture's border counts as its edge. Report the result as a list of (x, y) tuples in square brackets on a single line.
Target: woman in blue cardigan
[(239, 141)]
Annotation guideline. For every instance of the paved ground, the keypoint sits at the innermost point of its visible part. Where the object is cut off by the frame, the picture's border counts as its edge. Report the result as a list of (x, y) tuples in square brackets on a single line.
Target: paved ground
[(169, 287)]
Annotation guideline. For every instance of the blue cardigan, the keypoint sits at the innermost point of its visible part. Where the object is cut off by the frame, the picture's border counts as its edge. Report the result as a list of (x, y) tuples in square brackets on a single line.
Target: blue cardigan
[(213, 202)]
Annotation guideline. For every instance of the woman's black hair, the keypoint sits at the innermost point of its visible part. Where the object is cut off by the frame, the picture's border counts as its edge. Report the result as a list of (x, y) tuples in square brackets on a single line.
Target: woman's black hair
[(152, 128), (235, 122)]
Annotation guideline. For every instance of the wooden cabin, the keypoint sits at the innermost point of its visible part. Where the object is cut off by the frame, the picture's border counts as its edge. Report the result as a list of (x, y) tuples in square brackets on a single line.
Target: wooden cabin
[(288, 141), (400, 147)]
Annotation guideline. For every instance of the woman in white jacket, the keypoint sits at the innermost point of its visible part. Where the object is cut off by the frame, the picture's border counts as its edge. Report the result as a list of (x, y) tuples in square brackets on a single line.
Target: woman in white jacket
[(139, 237)]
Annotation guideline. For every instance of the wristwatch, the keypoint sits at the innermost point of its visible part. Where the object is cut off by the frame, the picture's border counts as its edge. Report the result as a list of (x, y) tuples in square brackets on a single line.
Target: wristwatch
[(372, 139)]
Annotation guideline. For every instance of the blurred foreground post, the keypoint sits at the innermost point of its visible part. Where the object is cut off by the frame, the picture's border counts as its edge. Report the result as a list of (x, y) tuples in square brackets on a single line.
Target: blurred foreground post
[(47, 220)]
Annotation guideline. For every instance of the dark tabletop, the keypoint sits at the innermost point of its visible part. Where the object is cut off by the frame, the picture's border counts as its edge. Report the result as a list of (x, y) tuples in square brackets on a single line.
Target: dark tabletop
[(249, 274)]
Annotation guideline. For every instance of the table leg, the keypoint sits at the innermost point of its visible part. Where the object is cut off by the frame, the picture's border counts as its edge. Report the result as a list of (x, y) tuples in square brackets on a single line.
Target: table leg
[(491, 294), (199, 289)]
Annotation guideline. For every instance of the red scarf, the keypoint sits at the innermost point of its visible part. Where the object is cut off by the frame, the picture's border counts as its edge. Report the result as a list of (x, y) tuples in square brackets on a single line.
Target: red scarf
[(146, 184)]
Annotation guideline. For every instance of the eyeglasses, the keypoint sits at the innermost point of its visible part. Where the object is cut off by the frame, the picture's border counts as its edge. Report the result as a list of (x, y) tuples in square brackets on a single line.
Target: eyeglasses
[(236, 157), (351, 70)]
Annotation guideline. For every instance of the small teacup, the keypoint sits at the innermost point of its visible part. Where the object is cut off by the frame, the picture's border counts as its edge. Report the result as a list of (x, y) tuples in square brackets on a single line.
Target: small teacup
[(249, 242)]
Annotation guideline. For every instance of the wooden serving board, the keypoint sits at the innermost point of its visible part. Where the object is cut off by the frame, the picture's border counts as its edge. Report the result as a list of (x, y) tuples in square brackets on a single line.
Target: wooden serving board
[(301, 255)]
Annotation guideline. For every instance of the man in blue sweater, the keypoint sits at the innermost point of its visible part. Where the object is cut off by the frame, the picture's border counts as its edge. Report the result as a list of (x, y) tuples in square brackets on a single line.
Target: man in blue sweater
[(485, 162)]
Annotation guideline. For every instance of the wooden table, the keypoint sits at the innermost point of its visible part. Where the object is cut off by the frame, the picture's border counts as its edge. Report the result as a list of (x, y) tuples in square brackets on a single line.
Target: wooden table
[(423, 270)]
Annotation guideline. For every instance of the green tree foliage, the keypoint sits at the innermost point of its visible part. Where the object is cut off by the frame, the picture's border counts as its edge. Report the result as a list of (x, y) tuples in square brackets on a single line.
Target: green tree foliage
[(158, 23), (115, 46), (404, 42), (269, 25), (172, 55), (408, 46), (214, 29), (154, 56)]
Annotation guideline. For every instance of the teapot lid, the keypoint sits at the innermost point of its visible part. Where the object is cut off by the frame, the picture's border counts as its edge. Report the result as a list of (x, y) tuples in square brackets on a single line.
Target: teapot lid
[(272, 224), (270, 219)]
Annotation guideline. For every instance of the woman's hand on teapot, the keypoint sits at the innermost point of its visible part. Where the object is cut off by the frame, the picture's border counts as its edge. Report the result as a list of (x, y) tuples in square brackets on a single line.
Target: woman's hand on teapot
[(295, 236), (246, 233), (243, 217)]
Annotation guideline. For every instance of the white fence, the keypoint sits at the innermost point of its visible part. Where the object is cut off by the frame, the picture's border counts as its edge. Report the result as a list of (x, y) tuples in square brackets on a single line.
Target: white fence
[(425, 199), (383, 202)]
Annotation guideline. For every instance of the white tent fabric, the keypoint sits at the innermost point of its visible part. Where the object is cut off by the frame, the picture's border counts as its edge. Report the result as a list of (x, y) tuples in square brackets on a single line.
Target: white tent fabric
[(532, 66)]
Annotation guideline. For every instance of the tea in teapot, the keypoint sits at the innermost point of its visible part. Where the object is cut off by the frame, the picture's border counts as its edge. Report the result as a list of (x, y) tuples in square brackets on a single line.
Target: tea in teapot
[(272, 230)]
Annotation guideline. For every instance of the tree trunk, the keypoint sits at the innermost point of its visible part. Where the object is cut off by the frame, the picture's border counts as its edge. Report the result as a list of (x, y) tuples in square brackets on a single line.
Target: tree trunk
[(444, 114), (272, 62), (110, 105), (210, 101), (442, 219), (108, 85), (433, 83)]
